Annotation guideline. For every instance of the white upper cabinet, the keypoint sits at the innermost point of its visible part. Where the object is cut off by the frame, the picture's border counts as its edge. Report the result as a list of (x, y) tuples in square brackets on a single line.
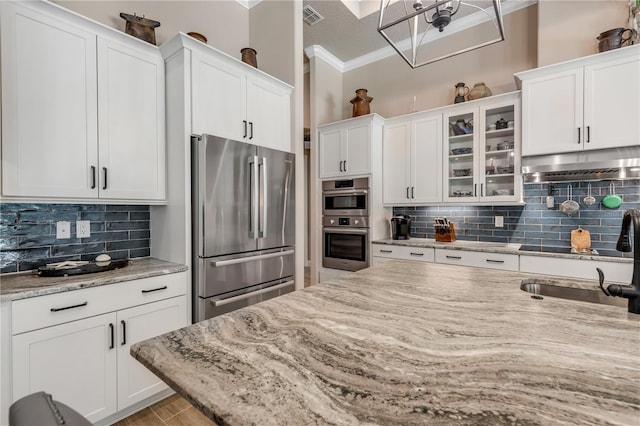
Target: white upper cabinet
[(412, 160), (49, 105), (584, 104), (83, 109), (232, 100), (346, 146), (482, 151), (131, 122)]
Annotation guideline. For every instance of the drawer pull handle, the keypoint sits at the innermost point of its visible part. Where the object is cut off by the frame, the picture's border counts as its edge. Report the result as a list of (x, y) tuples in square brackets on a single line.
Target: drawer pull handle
[(124, 333), (112, 345), (495, 261), (417, 254), (69, 307), (154, 289), (386, 251), (454, 257)]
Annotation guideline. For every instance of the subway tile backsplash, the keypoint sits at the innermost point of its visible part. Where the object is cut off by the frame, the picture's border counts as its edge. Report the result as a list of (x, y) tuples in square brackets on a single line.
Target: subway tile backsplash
[(28, 233), (535, 224)]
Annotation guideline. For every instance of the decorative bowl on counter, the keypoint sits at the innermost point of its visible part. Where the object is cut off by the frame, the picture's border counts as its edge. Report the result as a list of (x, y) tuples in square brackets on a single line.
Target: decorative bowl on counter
[(462, 193), (461, 151), (461, 172), (504, 169)]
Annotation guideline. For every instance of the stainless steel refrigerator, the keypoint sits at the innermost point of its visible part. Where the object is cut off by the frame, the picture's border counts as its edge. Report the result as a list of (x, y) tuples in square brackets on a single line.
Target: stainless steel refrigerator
[(243, 224)]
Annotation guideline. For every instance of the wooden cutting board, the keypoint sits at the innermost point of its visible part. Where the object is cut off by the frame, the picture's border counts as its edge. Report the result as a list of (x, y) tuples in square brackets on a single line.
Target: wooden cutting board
[(580, 239)]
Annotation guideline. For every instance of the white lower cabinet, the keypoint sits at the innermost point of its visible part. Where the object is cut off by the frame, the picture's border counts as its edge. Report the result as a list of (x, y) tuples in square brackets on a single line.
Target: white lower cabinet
[(75, 362), (136, 382), (85, 362), (577, 268), (506, 262)]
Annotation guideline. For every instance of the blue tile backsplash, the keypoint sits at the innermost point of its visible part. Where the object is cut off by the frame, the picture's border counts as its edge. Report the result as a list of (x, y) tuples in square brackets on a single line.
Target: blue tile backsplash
[(533, 223), (28, 233)]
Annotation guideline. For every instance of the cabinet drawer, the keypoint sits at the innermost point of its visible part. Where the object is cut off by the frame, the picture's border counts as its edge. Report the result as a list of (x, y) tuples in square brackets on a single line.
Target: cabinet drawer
[(421, 254), (576, 268), (45, 311), (507, 262)]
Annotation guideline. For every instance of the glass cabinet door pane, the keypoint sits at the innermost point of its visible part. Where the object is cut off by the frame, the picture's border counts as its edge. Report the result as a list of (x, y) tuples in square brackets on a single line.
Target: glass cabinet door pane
[(498, 153), (460, 156)]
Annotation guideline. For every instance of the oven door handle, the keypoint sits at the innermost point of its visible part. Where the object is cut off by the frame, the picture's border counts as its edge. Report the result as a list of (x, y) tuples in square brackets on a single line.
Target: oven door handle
[(346, 230), (223, 302), (346, 192), (217, 263)]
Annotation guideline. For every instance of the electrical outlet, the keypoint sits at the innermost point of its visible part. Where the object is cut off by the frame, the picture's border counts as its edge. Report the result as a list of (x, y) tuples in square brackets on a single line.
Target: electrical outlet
[(499, 221), (63, 230), (83, 228)]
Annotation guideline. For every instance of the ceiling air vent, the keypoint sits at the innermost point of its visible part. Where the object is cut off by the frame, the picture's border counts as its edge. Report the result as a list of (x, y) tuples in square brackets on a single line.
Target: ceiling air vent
[(310, 15)]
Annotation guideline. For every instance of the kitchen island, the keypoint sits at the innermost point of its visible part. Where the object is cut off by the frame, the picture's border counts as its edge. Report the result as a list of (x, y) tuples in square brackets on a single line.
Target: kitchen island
[(409, 343)]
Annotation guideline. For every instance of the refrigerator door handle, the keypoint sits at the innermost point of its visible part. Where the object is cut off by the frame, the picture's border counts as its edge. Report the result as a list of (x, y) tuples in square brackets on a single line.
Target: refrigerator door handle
[(223, 302), (218, 263), (262, 226), (253, 196)]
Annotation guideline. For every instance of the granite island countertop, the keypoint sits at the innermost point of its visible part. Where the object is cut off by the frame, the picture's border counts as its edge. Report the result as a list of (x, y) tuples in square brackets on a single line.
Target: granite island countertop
[(28, 284), (489, 247), (409, 343)]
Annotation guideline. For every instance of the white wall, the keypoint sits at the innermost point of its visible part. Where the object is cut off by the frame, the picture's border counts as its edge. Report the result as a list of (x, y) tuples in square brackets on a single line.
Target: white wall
[(225, 23), (271, 34), (568, 29), (393, 84), (325, 92)]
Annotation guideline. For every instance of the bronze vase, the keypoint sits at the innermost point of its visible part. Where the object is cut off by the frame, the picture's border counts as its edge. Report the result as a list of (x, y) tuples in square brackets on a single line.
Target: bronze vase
[(361, 103), (249, 56)]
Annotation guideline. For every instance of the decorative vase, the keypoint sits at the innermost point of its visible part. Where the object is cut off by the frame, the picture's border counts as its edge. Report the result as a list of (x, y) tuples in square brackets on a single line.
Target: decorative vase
[(361, 103), (461, 92), (480, 90), (249, 56), (141, 28)]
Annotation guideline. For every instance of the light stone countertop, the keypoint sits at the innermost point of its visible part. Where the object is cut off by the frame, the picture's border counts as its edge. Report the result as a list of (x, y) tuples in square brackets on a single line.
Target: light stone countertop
[(25, 285), (488, 247), (409, 343)]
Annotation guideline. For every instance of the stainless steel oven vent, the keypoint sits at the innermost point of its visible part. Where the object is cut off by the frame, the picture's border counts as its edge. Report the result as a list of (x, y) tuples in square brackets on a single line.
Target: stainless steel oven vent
[(609, 164)]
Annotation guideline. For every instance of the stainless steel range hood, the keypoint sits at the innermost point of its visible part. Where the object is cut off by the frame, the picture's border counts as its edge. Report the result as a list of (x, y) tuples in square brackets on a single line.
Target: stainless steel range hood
[(605, 164)]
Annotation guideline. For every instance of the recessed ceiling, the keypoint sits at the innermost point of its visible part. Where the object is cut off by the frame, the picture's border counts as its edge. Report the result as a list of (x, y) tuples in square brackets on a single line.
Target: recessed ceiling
[(345, 36)]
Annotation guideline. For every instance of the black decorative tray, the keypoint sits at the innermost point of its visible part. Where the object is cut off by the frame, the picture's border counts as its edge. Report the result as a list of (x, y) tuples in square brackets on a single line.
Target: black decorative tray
[(89, 268)]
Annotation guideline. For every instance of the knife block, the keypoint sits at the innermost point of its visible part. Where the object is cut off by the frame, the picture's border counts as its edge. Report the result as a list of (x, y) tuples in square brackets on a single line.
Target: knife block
[(447, 237)]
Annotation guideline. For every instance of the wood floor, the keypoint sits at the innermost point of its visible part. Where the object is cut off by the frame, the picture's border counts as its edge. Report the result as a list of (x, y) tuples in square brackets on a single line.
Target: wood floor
[(171, 411)]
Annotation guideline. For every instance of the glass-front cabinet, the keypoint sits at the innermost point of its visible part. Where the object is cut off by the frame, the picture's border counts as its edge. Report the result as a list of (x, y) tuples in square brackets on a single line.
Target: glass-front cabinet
[(482, 151)]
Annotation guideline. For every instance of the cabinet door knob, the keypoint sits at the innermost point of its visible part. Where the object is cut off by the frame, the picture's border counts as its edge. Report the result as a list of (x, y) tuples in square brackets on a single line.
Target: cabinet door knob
[(345, 165), (244, 122), (579, 141), (250, 130), (588, 134)]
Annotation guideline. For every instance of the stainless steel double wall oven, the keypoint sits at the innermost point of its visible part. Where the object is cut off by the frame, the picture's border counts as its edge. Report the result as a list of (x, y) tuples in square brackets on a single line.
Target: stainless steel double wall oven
[(345, 224)]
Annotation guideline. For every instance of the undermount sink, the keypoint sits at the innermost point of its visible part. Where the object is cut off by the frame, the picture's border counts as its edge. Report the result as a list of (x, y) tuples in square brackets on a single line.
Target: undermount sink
[(581, 294)]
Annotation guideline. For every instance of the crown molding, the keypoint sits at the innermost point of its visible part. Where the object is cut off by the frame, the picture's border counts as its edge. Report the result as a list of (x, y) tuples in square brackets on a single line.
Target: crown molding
[(465, 23), (249, 3), (325, 55)]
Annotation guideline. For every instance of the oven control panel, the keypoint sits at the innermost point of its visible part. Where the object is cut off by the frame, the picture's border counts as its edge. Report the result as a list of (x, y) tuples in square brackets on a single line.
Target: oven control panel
[(346, 221)]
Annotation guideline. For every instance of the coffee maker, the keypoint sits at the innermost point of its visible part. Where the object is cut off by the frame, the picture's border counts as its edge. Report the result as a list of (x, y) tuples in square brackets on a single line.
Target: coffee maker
[(400, 227)]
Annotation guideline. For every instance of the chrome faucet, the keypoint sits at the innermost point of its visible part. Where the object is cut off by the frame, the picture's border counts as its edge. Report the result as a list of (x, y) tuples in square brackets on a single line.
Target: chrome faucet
[(631, 292)]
